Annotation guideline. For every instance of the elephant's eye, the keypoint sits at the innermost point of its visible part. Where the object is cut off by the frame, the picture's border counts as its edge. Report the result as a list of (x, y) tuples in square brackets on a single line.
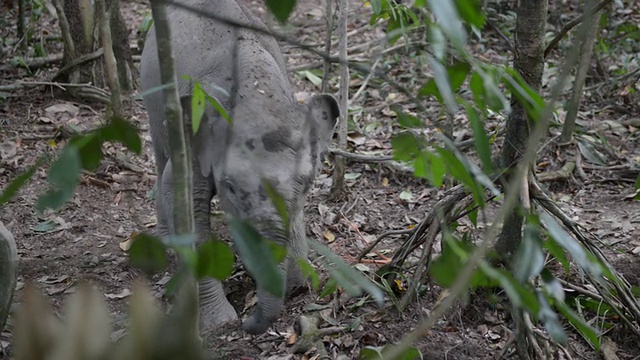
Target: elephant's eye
[(229, 187)]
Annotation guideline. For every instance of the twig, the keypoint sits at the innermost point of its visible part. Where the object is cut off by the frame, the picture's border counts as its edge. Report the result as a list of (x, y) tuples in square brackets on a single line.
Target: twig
[(380, 238), (571, 24), (365, 82)]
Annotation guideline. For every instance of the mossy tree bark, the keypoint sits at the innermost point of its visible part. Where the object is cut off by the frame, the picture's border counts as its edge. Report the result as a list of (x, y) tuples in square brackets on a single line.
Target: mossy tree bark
[(529, 62)]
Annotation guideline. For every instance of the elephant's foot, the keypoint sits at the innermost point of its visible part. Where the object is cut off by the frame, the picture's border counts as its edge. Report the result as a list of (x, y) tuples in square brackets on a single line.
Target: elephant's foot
[(266, 312), (215, 309), (257, 323)]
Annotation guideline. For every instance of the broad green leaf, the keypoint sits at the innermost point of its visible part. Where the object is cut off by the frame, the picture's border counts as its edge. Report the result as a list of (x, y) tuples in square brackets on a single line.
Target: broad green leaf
[(377, 352), (437, 41), (462, 173), (529, 259), (90, 146), (405, 120), (447, 17), (429, 165), (445, 269), (313, 78), (351, 280), (257, 257), (481, 141), (329, 288), (19, 181), (530, 99), (577, 252), (376, 6), (557, 252), (220, 109), (197, 107), (406, 146), (148, 253), (145, 24), (63, 178), (45, 226), (278, 202), (122, 131), (471, 12), (281, 9), (552, 285), (551, 321), (587, 332), (519, 295), (445, 86), (309, 272), (215, 259)]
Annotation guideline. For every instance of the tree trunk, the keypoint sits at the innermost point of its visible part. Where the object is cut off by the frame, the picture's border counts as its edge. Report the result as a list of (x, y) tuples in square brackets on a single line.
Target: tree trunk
[(529, 62), (81, 36), (337, 189)]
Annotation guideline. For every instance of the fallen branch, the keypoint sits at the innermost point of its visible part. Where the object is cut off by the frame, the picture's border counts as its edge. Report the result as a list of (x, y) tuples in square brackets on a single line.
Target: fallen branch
[(33, 63), (557, 175)]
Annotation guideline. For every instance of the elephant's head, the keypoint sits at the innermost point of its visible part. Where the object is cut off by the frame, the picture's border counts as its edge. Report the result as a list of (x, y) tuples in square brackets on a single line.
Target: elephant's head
[(282, 147)]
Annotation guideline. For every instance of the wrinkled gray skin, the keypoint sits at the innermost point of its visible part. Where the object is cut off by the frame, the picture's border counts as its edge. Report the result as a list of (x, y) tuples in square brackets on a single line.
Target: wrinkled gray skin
[(273, 137)]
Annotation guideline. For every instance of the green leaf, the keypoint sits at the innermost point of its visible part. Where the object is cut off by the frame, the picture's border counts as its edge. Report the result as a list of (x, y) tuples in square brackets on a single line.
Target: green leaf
[(471, 12), (520, 296), (557, 252), (257, 257), (197, 106), (529, 259), (551, 321), (376, 5), (19, 181), (377, 352), (587, 332), (90, 146), (406, 146), (481, 141), (462, 173), (309, 272), (281, 9), (577, 252), (405, 120), (447, 17), (313, 78), (278, 202), (215, 259), (552, 285), (351, 280), (63, 178), (45, 226), (152, 90), (529, 98), (441, 79), (220, 109), (122, 131), (148, 253), (330, 287)]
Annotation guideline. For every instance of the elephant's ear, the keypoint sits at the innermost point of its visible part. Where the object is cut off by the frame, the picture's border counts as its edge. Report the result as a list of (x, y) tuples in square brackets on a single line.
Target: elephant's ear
[(202, 141), (322, 116)]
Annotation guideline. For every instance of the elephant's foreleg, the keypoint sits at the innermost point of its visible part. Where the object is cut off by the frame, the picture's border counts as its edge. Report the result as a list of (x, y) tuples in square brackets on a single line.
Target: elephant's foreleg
[(215, 309)]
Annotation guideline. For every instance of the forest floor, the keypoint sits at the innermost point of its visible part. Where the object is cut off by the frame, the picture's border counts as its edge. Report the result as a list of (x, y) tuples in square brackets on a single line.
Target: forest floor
[(84, 240)]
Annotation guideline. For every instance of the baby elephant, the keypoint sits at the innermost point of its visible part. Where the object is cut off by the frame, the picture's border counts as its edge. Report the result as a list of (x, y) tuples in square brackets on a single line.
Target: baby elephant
[(273, 137)]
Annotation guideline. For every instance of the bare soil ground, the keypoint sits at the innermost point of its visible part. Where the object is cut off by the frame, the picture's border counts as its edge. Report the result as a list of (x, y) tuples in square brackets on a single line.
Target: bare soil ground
[(82, 241)]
